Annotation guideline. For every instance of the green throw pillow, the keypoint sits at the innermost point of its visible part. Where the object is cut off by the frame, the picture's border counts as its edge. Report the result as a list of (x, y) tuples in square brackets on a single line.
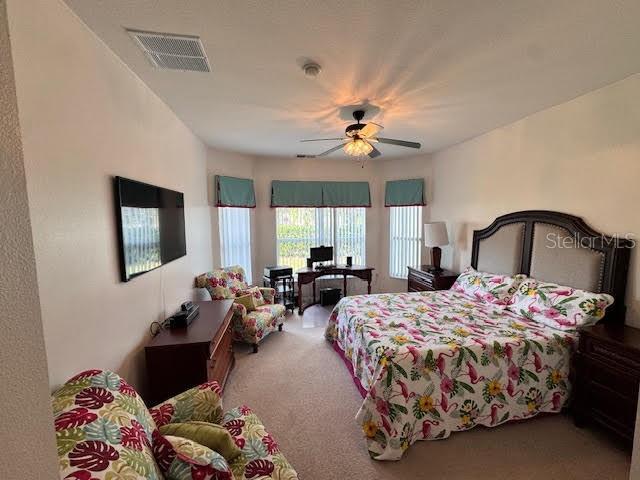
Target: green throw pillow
[(248, 301), (212, 436)]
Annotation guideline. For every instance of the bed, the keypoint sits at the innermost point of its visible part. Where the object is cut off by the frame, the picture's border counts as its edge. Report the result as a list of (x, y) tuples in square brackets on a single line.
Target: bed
[(432, 363)]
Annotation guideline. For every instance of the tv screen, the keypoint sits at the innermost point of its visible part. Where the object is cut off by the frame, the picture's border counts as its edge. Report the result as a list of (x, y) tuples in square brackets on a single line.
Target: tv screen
[(150, 226)]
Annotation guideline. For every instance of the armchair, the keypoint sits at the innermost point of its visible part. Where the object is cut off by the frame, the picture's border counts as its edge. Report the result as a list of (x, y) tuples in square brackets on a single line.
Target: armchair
[(248, 327), (104, 430)]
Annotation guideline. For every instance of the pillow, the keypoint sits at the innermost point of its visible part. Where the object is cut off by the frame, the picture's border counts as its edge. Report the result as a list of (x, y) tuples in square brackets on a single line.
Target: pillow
[(183, 459), (256, 293), (212, 436), (564, 308), (247, 300), (488, 287)]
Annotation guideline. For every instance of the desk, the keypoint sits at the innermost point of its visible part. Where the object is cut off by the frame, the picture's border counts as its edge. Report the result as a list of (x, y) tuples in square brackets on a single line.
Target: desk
[(309, 275)]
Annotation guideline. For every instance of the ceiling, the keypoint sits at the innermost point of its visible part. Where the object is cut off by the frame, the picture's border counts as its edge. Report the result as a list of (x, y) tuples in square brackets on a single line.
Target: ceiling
[(441, 71)]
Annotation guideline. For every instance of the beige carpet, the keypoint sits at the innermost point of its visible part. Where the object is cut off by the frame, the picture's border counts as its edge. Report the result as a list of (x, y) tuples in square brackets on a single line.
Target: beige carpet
[(304, 394)]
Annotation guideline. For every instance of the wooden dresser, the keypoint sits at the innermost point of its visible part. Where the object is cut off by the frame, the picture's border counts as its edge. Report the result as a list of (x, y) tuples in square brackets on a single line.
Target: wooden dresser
[(182, 358), (607, 377), (421, 279)]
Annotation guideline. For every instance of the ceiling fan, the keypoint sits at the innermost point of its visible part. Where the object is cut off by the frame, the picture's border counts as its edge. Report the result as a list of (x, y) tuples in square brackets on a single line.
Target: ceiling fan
[(359, 138)]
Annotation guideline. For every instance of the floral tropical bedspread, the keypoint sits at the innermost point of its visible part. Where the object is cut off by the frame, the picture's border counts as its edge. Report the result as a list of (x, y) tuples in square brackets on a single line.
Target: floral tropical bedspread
[(440, 362)]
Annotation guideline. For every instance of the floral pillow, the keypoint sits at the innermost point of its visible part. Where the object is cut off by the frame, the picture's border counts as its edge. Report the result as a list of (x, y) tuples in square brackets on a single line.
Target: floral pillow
[(564, 308), (255, 292), (487, 287), (183, 459)]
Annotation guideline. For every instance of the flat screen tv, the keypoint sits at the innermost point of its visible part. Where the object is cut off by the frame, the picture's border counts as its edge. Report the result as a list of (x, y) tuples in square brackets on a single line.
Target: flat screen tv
[(150, 226)]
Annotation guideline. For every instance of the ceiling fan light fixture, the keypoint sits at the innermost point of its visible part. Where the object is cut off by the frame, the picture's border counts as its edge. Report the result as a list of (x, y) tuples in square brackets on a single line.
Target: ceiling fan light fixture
[(358, 148)]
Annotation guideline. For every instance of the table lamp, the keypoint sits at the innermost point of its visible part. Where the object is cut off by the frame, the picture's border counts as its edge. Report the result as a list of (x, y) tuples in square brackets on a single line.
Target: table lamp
[(435, 236)]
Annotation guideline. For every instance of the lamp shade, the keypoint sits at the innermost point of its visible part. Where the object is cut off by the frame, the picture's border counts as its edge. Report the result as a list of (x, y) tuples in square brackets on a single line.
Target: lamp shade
[(435, 234)]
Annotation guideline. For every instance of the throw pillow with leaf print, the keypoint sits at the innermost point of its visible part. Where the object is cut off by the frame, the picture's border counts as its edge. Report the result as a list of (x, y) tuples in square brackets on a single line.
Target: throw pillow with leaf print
[(560, 307)]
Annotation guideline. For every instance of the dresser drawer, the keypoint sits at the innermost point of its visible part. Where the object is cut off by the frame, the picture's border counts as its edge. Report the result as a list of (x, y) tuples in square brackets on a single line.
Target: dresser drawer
[(420, 276), (609, 354), (417, 285), (610, 408), (624, 382)]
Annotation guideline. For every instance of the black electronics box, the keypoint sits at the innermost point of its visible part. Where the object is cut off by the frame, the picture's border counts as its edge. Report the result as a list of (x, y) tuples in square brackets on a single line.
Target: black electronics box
[(183, 318), (276, 271), (330, 296)]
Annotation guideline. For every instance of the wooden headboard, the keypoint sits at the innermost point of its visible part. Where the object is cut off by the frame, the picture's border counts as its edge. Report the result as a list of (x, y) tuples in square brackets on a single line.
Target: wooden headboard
[(555, 247)]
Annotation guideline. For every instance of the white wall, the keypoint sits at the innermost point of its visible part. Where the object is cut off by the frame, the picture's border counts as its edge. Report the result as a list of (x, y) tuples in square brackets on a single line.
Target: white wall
[(581, 157), (85, 118), (26, 419)]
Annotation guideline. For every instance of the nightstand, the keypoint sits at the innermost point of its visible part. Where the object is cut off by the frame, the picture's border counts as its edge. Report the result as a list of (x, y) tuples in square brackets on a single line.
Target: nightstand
[(421, 279), (607, 377)]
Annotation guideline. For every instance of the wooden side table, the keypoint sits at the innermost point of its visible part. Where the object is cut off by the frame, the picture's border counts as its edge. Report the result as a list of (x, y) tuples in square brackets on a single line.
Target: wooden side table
[(607, 377), (423, 280)]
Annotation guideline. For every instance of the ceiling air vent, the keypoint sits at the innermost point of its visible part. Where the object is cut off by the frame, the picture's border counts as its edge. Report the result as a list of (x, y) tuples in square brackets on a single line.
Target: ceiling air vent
[(175, 52)]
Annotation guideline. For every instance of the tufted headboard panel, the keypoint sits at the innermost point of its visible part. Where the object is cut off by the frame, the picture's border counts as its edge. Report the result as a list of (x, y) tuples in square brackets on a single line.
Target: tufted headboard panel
[(555, 247)]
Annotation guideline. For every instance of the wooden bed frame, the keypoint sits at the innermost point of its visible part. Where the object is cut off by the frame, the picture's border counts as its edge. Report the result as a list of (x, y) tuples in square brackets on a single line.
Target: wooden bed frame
[(613, 251)]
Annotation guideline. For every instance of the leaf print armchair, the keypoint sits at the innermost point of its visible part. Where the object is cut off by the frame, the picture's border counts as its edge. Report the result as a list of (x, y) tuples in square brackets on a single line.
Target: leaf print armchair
[(249, 327), (105, 431)]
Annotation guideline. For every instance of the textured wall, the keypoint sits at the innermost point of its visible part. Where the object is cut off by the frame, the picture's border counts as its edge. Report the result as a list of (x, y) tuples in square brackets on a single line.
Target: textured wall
[(85, 118), (26, 421)]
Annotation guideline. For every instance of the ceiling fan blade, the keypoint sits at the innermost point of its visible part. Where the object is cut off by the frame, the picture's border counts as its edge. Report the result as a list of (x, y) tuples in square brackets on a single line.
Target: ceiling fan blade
[(331, 150), (323, 139), (374, 153), (400, 143), (370, 130)]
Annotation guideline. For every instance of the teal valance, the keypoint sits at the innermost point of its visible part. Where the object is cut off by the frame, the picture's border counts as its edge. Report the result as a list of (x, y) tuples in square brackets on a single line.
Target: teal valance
[(404, 193), (286, 193), (234, 192)]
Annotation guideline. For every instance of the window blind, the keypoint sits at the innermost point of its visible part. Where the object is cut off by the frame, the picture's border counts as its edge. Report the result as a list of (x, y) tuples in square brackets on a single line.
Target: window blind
[(235, 238), (405, 239)]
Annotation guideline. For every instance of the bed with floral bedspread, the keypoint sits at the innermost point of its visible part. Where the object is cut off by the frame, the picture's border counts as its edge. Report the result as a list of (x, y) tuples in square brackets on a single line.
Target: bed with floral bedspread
[(432, 363)]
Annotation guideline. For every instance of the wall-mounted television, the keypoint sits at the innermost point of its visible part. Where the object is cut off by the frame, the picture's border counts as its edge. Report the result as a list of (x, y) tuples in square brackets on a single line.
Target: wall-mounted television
[(150, 226)]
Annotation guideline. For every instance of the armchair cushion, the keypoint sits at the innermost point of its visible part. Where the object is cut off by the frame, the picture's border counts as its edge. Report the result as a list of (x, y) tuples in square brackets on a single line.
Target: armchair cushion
[(255, 292), (269, 294), (212, 436), (183, 459), (258, 324), (247, 300), (261, 456), (201, 403)]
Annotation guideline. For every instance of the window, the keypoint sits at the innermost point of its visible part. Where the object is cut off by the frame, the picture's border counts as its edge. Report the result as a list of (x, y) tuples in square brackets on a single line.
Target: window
[(299, 229), (405, 239), (235, 238)]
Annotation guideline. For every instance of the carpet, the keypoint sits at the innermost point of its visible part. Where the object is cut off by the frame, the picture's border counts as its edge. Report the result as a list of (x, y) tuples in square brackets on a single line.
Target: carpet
[(300, 388)]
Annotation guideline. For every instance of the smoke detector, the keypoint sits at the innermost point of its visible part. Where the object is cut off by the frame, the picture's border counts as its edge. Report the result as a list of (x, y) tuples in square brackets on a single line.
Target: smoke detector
[(173, 52), (311, 69)]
